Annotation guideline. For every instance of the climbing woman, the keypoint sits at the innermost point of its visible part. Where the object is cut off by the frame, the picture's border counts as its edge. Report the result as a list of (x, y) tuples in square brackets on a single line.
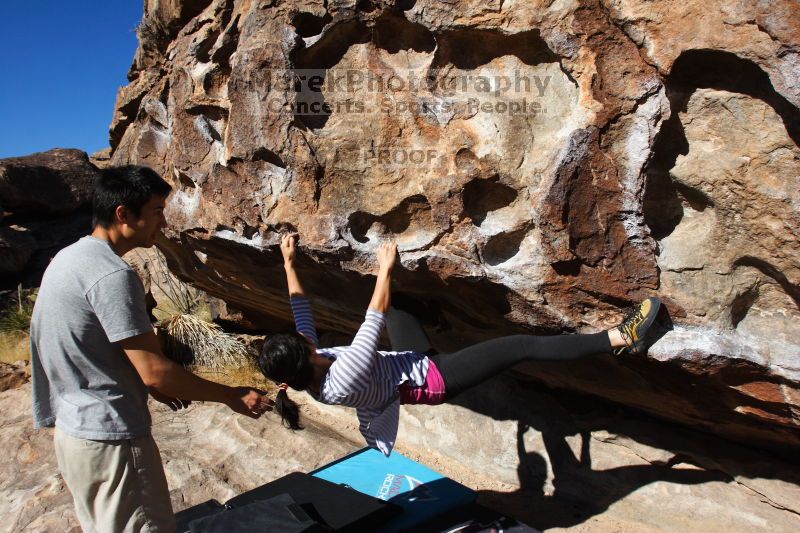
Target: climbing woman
[(377, 382)]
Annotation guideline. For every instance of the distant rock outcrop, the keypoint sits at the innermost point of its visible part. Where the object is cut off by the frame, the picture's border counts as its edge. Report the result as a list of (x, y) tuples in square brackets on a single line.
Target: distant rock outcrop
[(45, 199), (542, 165)]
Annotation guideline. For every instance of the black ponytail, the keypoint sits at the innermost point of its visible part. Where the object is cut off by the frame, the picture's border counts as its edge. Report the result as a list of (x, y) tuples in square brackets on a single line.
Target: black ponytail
[(285, 359), (288, 409)]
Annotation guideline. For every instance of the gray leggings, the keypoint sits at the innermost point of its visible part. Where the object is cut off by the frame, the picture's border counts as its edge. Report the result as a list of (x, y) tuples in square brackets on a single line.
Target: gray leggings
[(474, 364)]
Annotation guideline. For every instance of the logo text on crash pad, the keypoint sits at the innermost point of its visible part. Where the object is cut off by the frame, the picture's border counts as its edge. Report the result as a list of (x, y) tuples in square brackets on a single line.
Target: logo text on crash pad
[(394, 484)]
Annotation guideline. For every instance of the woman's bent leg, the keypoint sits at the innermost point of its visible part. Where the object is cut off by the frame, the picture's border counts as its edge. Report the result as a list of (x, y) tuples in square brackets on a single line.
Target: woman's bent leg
[(468, 367), (405, 332)]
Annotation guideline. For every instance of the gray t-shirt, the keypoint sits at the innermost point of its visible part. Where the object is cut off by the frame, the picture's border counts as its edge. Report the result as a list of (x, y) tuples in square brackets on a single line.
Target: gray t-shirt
[(82, 380)]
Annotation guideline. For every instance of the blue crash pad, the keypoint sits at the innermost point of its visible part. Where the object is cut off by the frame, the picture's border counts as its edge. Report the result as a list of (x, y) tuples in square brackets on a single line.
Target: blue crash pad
[(420, 491)]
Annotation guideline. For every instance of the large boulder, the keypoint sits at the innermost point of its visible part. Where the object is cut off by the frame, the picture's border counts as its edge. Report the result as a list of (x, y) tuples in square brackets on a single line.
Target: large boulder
[(56, 182), (542, 165), (46, 202), (17, 245)]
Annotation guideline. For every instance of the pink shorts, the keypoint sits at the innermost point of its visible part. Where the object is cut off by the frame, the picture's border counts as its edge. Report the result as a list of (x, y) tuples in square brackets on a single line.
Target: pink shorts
[(431, 393)]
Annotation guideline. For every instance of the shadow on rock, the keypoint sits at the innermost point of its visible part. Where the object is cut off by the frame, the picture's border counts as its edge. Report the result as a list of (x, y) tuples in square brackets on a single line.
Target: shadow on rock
[(574, 496), (559, 487)]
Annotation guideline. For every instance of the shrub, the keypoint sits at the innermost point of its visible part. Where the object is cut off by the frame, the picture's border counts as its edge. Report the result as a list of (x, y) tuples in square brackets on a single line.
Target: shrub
[(191, 340), (16, 317)]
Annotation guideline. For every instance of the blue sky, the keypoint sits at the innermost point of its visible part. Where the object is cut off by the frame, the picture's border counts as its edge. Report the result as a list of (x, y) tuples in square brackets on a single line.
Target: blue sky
[(61, 64)]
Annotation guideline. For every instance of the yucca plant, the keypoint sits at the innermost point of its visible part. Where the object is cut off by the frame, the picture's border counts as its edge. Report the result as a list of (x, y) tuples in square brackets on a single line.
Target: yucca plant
[(192, 340), (187, 338), (17, 317), (182, 298)]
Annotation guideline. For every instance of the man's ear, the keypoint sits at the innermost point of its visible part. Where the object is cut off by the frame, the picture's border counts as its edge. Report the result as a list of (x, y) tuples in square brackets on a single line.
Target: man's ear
[(122, 214)]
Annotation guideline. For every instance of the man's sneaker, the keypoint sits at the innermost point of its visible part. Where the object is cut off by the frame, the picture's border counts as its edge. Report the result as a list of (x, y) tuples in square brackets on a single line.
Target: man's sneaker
[(635, 325)]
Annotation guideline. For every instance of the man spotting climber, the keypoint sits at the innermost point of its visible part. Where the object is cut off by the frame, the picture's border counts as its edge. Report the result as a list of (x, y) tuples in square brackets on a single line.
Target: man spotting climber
[(94, 357)]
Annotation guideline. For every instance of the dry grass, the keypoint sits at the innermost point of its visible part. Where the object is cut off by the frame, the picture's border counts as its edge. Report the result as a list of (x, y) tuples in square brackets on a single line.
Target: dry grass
[(15, 322), (14, 347), (166, 309), (236, 376)]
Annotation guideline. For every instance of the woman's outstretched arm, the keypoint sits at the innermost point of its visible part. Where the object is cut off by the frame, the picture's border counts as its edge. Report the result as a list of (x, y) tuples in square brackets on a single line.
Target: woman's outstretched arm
[(353, 368), (301, 309), (381, 297), (288, 249)]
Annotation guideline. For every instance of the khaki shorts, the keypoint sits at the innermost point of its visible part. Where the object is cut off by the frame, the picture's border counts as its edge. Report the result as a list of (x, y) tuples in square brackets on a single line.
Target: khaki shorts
[(117, 485)]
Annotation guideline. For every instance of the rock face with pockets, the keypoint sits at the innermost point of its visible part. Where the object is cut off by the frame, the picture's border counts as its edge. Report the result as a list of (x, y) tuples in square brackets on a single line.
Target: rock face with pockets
[(542, 166)]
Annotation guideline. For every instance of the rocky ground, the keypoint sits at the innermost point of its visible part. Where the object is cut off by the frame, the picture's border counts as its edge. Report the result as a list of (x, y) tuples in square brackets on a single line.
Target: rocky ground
[(563, 462)]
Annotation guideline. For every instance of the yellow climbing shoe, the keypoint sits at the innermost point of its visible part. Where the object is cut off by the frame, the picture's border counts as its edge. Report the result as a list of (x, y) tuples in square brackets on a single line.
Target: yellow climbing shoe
[(636, 324)]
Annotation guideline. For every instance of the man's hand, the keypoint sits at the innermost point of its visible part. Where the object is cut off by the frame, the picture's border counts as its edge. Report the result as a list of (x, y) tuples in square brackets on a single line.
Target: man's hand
[(288, 249), (172, 403), (386, 254), (250, 402)]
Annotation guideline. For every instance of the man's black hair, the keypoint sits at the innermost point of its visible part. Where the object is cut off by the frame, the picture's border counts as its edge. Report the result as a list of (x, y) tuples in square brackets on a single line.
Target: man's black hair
[(130, 185)]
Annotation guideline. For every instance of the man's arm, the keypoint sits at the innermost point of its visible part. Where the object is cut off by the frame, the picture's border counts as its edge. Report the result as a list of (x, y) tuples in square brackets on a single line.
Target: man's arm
[(172, 380)]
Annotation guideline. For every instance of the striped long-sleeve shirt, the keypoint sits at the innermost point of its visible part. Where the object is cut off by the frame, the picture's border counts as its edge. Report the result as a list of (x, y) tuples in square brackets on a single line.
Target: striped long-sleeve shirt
[(363, 377)]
